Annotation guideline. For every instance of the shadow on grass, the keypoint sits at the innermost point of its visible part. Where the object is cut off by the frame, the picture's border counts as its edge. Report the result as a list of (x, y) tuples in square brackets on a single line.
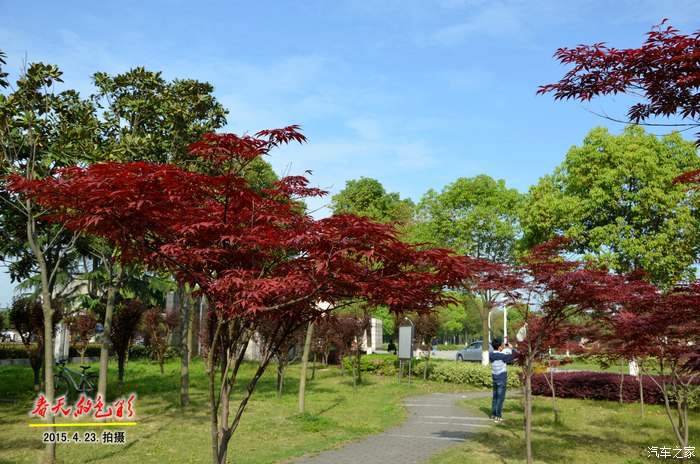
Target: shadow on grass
[(118, 450), (21, 443), (552, 441), (331, 406)]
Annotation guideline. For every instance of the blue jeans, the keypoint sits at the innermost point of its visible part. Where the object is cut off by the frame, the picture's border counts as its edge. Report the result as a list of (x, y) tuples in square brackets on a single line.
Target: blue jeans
[(499, 394)]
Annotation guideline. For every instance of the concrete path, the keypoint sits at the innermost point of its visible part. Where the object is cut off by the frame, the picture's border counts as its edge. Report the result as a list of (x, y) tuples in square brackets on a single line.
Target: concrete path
[(435, 422)]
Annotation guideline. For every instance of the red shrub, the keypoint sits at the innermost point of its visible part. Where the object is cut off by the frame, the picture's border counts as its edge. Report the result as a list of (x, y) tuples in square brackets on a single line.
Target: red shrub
[(597, 386)]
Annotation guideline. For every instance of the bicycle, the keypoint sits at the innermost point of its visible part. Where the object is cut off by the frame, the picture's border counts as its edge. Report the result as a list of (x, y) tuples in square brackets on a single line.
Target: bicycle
[(66, 377)]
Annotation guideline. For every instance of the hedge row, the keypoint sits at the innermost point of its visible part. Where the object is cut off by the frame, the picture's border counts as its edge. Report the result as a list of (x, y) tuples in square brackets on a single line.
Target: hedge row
[(12, 351), (605, 386), (17, 351), (380, 364), (473, 374)]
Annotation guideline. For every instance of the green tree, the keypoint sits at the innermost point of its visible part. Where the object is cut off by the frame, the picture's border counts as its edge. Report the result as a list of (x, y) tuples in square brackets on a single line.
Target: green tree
[(367, 197), (142, 117), (477, 217), (460, 322), (126, 320), (27, 318), (615, 196), (146, 118), (41, 130)]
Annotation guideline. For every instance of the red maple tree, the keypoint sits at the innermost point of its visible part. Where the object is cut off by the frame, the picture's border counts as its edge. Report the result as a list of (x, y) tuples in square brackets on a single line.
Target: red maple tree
[(552, 291), (348, 330), (253, 253), (159, 325), (665, 72), (82, 328), (661, 329)]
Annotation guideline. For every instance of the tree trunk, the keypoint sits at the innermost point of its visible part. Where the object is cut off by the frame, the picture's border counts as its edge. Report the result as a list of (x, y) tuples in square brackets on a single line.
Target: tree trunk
[(211, 374), (112, 292), (528, 410), (185, 346), (641, 395), (50, 451), (121, 361), (622, 380), (554, 395), (190, 330), (36, 368), (220, 407), (368, 334), (480, 303), (280, 378), (484, 336), (304, 367), (425, 366), (354, 377)]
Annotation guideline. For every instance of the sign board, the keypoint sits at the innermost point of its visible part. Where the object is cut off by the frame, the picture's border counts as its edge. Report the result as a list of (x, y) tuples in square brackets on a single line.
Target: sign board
[(406, 342)]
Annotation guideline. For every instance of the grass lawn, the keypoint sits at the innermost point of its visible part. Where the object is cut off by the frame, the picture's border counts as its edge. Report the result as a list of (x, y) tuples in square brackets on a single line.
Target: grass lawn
[(589, 432), (272, 430)]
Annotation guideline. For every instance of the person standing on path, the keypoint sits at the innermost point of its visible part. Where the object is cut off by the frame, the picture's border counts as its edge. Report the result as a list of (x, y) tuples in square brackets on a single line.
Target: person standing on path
[(499, 357)]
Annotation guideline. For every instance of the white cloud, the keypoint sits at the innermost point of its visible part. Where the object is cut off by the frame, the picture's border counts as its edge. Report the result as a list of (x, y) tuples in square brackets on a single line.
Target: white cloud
[(366, 128), (467, 80), (682, 14), (495, 21), (335, 162), (293, 74)]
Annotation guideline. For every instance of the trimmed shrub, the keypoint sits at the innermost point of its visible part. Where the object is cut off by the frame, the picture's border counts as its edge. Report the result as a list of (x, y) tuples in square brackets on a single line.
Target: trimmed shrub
[(93, 351), (12, 351), (604, 386), (450, 347), (474, 374), (693, 398), (379, 364), (138, 352), (17, 351)]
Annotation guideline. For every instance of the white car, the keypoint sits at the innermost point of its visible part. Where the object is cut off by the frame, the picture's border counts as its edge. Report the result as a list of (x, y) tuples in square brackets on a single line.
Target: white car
[(471, 352)]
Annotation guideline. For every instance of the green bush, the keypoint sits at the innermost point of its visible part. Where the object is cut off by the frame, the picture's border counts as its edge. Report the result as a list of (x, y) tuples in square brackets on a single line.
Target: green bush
[(380, 364), (474, 374), (138, 352), (450, 347), (172, 352), (439, 370), (12, 351), (17, 351), (693, 398), (93, 351)]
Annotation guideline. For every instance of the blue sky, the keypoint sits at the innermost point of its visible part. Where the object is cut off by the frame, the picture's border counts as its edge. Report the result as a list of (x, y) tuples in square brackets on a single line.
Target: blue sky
[(413, 93)]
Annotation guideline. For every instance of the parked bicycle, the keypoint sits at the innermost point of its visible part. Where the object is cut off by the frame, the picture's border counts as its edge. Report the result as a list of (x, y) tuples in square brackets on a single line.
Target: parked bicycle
[(65, 378)]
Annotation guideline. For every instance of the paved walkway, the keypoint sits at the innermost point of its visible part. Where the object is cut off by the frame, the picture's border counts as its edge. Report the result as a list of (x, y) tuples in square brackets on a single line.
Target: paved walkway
[(435, 422)]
